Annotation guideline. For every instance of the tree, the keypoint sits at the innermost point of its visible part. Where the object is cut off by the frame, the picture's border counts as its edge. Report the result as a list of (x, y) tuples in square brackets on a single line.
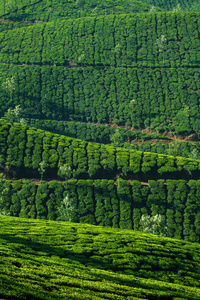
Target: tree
[(194, 154), (66, 209), (65, 171), (154, 225), (182, 121), (80, 4), (117, 49), (14, 115), (177, 8), (161, 43), (116, 138), (9, 86), (175, 148), (95, 11), (81, 58), (9, 6), (42, 168), (153, 9)]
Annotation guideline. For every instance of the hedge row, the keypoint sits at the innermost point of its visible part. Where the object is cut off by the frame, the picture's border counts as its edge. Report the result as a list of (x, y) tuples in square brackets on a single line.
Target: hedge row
[(104, 202), (163, 99), (23, 148), (123, 40), (92, 132), (175, 148), (121, 137)]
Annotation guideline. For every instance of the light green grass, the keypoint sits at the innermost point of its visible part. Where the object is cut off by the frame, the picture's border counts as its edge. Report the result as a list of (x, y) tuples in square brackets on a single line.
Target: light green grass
[(57, 260)]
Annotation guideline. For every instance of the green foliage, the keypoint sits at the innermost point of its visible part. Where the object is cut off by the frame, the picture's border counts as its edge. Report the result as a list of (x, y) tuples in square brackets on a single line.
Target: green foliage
[(125, 202), (46, 153), (61, 89), (55, 10), (66, 209), (65, 260), (64, 171), (42, 168), (154, 225), (175, 5), (119, 204)]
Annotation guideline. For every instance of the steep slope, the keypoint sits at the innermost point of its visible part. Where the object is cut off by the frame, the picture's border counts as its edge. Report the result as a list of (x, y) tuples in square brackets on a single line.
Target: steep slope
[(176, 5), (49, 260), (44, 10), (23, 149), (110, 186), (118, 204), (107, 69)]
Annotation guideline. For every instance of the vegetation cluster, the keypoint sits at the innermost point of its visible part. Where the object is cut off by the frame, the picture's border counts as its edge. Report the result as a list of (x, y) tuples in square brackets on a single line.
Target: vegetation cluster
[(103, 202), (56, 260)]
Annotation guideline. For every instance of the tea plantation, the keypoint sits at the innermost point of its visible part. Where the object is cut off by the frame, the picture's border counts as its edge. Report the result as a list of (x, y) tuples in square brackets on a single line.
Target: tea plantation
[(59, 260), (99, 135), (107, 69)]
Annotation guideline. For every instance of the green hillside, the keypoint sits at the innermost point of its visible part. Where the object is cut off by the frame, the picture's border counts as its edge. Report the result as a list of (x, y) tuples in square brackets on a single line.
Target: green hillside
[(51, 260), (46, 10), (107, 70), (110, 186), (118, 204), (23, 149), (176, 5), (113, 89)]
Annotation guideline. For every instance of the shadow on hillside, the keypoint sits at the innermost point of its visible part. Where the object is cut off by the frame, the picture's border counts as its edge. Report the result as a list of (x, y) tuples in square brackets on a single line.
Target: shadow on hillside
[(26, 246), (150, 287), (85, 254)]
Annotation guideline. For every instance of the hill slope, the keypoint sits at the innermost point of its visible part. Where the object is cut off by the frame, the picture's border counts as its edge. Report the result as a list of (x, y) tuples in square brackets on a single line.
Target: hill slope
[(107, 69), (49, 260), (23, 149), (176, 5), (32, 10)]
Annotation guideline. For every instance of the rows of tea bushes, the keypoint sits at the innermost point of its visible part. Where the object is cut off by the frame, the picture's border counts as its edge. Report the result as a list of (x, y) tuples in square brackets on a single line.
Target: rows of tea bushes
[(23, 149), (93, 132), (163, 99), (175, 148), (175, 5), (31, 10), (107, 203), (122, 137), (124, 40), (60, 260), (11, 25)]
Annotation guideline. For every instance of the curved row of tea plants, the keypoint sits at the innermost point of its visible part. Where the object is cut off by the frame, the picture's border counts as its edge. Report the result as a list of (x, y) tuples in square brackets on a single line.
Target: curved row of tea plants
[(99, 133), (108, 203), (23, 149), (175, 5), (123, 40), (51, 260), (34, 10), (162, 99), (122, 137)]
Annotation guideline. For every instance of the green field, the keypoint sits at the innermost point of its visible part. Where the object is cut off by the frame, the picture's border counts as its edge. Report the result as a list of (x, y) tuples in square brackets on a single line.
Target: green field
[(57, 260), (99, 141)]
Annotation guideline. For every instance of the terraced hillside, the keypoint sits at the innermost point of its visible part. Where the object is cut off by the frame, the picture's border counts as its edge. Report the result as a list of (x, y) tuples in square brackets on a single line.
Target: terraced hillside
[(95, 183), (176, 5), (56, 260), (109, 69), (23, 149), (96, 73), (118, 204), (34, 10)]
